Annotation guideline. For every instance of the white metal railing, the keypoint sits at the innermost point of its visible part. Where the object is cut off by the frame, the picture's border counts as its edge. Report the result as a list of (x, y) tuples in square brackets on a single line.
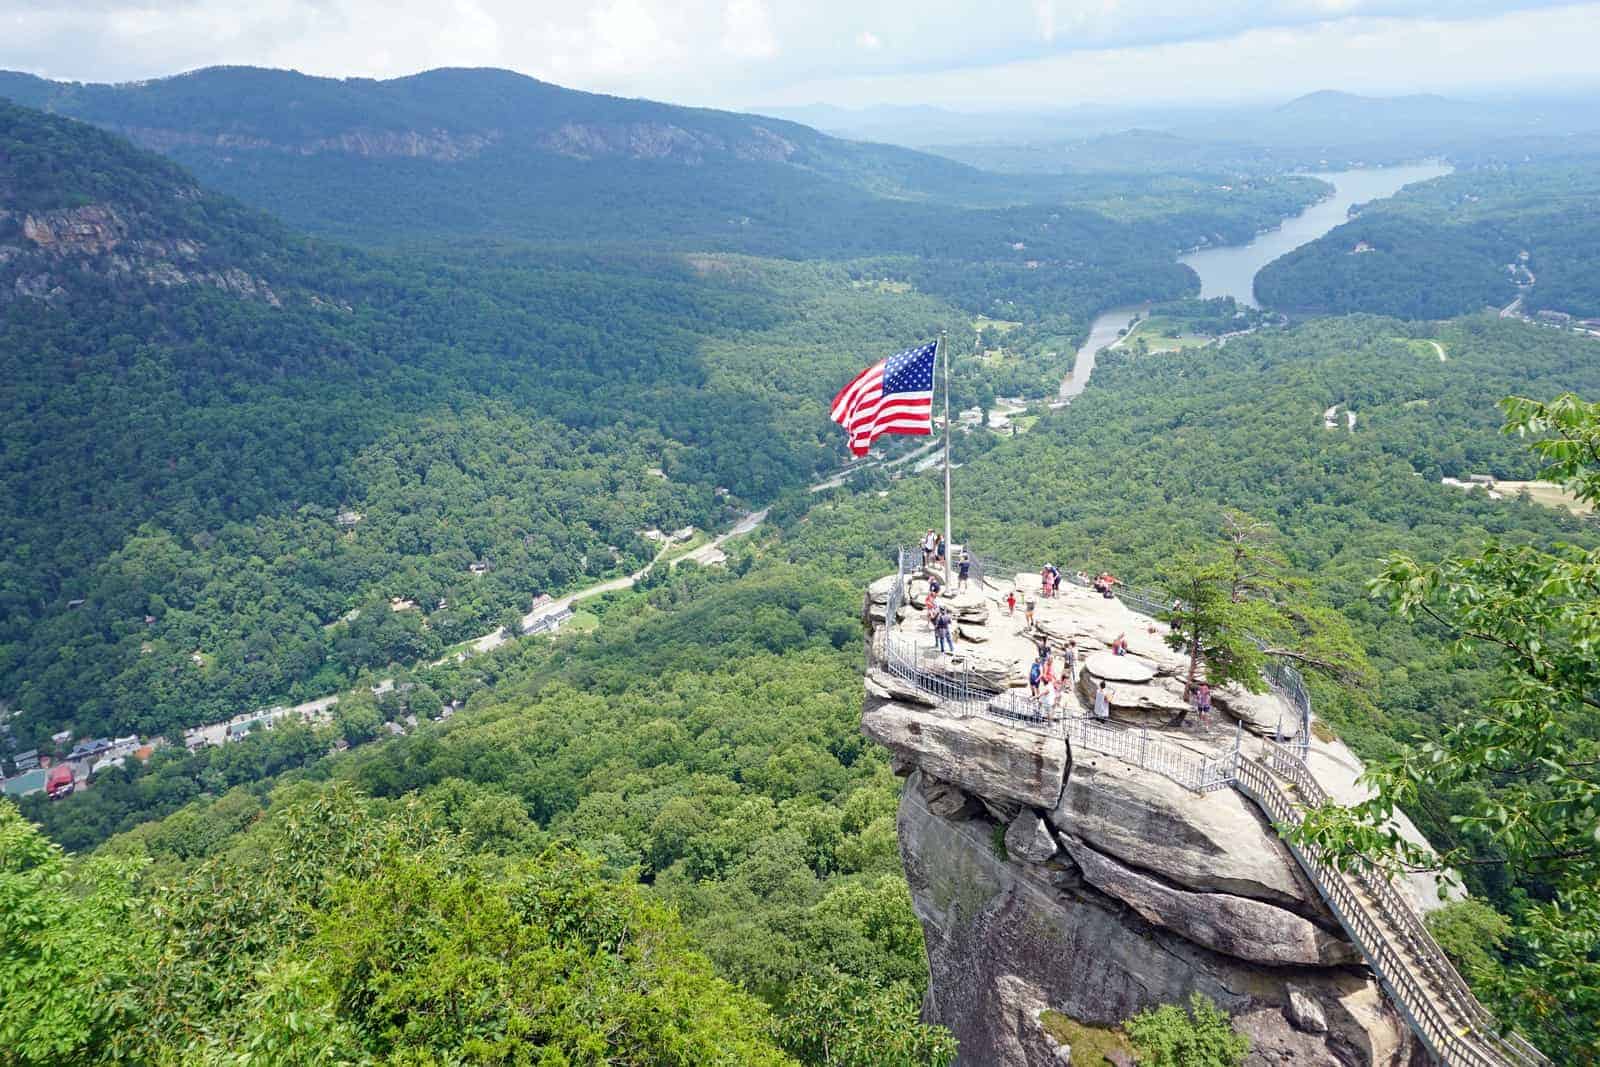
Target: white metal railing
[(1417, 975), (1280, 674)]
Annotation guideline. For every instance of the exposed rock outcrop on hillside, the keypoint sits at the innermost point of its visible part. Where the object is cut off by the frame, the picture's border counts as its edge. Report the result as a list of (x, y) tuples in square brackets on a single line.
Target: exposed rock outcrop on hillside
[(42, 252), (1049, 878)]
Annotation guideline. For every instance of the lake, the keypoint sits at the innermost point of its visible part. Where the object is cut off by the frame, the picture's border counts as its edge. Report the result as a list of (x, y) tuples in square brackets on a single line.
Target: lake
[(1230, 270)]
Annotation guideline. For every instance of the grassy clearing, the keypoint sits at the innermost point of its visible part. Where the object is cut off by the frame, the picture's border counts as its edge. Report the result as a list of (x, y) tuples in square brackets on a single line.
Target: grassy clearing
[(1091, 1045), (984, 322), (582, 622), (1547, 493), (1164, 335), (881, 285), (1425, 349)]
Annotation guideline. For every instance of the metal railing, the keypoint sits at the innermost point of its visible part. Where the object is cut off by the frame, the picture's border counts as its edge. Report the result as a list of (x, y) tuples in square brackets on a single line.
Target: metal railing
[(1409, 964), (1410, 929), (1280, 674)]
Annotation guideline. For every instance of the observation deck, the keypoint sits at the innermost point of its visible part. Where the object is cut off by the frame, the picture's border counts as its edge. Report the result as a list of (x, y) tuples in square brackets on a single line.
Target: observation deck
[(971, 718)]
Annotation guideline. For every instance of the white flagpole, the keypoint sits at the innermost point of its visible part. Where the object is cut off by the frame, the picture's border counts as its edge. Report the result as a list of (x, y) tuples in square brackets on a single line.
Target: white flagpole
[(949, 542)]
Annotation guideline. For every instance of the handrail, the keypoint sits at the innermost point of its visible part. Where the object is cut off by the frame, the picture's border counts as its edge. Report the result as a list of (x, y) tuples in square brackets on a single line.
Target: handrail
[(1410, 965), (1279, 673), (1411, 929)]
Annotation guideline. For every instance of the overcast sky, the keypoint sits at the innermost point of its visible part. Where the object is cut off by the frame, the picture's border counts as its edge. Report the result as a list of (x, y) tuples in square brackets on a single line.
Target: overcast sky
[(969, 54)]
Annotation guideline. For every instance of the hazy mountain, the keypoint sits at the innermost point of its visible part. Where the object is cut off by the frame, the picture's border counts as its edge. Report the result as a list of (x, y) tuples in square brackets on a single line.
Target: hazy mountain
[(499, 154)]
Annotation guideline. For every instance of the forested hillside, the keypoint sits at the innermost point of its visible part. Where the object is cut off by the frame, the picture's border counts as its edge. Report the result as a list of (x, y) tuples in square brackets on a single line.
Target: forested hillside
[(196, 397), (705, 737), (488, 155), (1455, 245)]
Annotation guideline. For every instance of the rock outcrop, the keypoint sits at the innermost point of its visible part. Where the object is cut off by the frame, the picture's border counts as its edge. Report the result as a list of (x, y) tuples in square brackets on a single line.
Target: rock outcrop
[(1008, 937), (1048, 878), (46, 249)]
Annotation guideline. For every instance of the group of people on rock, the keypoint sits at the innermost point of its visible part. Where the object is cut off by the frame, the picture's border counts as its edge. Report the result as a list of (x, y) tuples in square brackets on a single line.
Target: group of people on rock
[(1048, 684)]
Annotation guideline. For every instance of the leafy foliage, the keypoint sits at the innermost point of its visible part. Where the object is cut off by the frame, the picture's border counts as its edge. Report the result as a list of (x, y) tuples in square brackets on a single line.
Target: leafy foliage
[(1201, 1036), (1524, 767)]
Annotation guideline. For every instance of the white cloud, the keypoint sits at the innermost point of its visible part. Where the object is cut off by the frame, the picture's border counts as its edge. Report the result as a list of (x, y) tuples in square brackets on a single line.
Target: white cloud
[(765, 51)]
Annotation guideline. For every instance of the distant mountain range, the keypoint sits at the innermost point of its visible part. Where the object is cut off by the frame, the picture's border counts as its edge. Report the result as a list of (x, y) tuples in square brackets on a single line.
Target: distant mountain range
[(278, 138), (1320, 127)]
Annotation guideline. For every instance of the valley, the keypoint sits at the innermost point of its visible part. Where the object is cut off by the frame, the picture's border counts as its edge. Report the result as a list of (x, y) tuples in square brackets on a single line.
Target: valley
[(478, 428)]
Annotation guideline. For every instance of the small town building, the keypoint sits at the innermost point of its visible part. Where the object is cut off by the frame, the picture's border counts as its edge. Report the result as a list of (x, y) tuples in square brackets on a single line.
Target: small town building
[(26, 783), (60, 782)]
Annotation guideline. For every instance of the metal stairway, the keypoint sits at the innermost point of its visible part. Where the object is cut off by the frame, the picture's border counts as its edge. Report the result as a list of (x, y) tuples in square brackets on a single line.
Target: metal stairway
[(1413, 970)]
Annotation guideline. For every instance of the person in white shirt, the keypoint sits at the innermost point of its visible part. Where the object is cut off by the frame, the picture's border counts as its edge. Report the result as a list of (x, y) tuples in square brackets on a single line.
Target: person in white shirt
[(1102, 702)]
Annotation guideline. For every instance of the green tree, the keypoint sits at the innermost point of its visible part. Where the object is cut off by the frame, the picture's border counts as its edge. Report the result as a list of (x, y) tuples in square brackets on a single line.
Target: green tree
[(1202, 1036), (69, 946), (838, 1021), (1527, 766), (1236, 604)]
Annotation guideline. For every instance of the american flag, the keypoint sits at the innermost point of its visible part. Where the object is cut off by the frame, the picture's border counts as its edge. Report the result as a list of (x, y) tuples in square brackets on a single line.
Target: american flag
[(894, 395)]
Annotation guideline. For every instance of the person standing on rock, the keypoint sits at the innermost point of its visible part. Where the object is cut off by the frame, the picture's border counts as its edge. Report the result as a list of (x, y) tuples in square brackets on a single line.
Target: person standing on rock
[(1202, 703), (929, 540), (1028, 608), (941, 632), (1011, 602), (1069, 661), (1102, 702), (964, 569)]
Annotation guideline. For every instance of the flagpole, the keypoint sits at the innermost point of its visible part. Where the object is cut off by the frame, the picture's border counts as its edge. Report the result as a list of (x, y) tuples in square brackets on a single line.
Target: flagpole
[(949, 541)]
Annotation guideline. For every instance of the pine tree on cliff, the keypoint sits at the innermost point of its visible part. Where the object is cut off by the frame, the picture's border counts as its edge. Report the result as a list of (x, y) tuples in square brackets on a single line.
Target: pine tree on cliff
[(1235, 604)]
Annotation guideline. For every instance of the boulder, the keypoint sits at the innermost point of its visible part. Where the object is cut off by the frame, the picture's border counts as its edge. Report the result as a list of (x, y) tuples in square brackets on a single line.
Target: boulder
[(1004, 937), (978, 755), (945, 800), (1155, 702), (1213, 842), (1304, 1011), (1113, 668), (1029, 838), (1235, 926)]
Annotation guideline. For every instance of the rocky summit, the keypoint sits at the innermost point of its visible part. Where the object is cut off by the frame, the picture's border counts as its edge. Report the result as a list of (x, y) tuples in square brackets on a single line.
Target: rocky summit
[(1051, 876)]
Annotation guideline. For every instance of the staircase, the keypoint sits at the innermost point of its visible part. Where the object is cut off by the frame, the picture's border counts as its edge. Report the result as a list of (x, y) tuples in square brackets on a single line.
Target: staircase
[(1419, 979)]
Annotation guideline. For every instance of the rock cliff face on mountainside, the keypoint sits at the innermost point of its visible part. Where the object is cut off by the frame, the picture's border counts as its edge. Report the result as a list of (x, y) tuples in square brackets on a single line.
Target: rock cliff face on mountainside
[(1048, 879)]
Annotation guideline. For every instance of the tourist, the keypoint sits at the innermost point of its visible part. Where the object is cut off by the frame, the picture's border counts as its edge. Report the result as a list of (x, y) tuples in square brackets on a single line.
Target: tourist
[(1202, 703), (1048, 701), (1119, 647), (1011, 602), (1035, 675), (1042, 644), (1028, 607), (1044, 581), (941, 632), (929, 540), (938, 549), (963, 570), (1048, 675), (1069, 662), (1102, 702), (1055, 580)]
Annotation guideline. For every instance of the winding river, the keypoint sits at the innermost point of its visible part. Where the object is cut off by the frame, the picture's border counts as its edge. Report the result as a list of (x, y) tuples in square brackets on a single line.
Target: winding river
[(1230, 270)]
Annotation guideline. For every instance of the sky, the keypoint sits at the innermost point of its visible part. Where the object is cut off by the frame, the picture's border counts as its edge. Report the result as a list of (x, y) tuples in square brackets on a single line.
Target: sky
[(974, 55)]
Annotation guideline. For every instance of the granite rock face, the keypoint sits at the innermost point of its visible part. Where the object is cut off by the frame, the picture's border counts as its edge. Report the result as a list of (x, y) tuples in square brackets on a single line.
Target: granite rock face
[(1007, 938), (1234, 926), (978, 755), (1210, 842)]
